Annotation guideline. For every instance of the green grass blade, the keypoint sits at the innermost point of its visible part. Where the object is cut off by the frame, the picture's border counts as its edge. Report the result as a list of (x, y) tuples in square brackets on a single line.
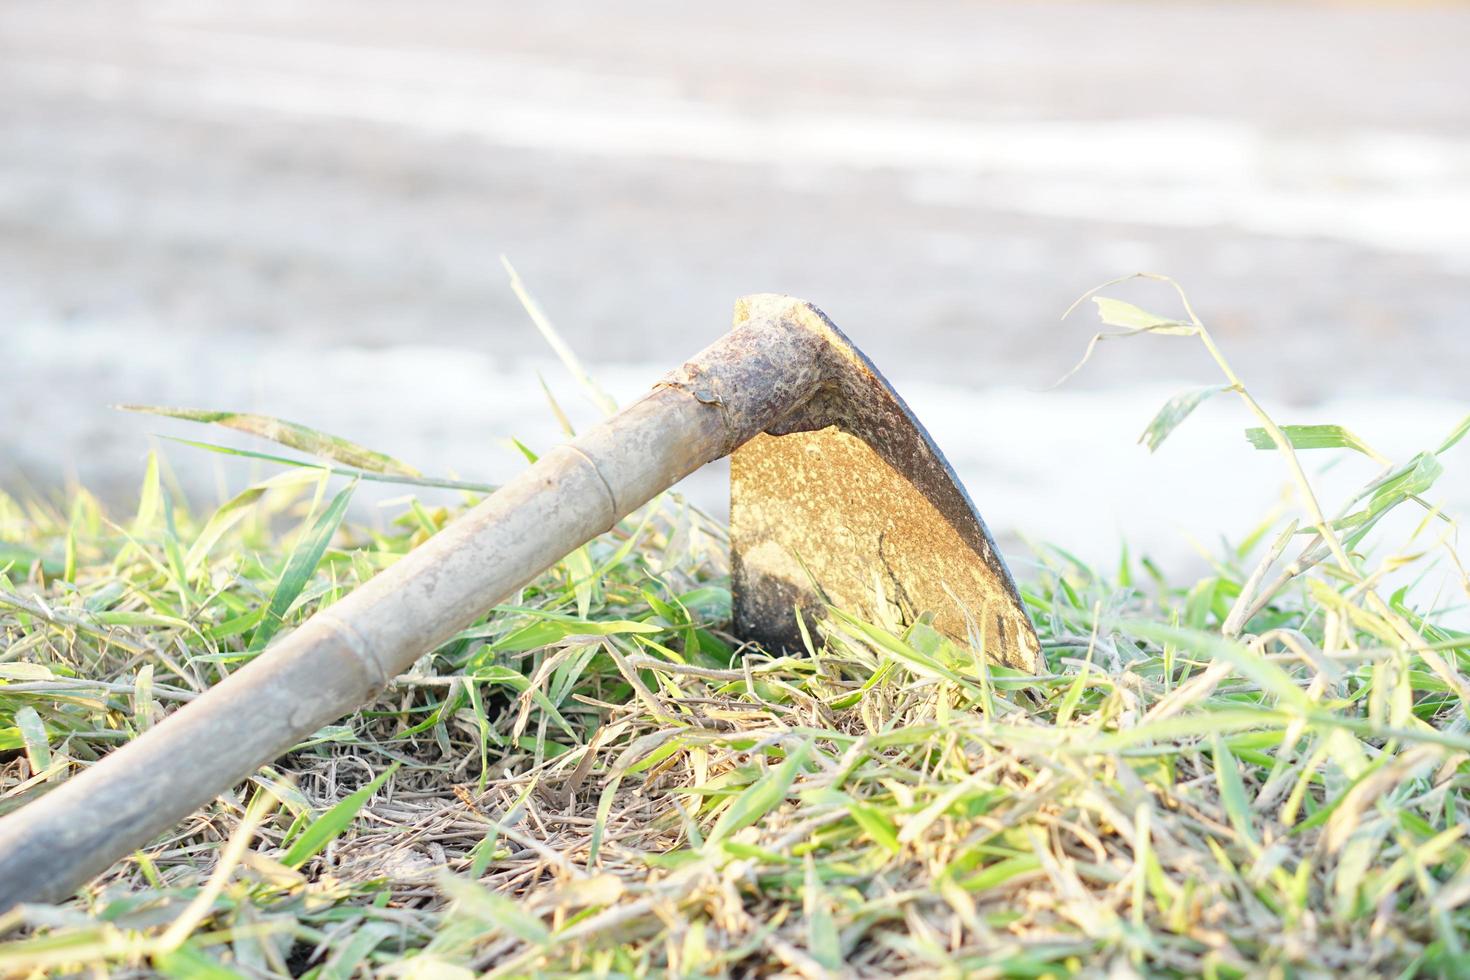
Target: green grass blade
[(1175, 411), (33, 734), (1116, 313), (1232, 790), (434, 482), (760, 797), (495, 911), (301, 567), (333, 823), (289, 434), (1312, 437)]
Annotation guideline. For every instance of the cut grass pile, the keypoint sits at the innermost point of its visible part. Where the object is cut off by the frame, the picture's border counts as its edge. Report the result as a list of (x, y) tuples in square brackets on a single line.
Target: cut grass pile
[(1263, 770)]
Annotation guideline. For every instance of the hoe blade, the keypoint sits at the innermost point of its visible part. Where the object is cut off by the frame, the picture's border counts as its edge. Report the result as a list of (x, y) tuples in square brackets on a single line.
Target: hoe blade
[(849, 502)]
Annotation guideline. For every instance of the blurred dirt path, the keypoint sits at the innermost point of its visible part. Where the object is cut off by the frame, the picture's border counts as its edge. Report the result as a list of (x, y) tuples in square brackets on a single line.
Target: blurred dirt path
[(207, 203)]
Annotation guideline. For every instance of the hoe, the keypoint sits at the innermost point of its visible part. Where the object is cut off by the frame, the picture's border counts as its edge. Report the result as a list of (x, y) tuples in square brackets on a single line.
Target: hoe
[(837, 496)]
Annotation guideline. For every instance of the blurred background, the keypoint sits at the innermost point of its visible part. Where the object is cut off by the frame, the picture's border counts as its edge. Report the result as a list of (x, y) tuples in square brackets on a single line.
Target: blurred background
[(300, 208)]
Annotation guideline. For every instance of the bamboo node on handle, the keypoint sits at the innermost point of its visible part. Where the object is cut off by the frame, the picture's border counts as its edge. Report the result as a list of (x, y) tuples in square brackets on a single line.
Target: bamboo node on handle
[(357, 645)]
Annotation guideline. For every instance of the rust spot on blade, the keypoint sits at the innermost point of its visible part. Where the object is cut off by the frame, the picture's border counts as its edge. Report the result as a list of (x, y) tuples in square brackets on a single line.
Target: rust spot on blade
[(849, 499)]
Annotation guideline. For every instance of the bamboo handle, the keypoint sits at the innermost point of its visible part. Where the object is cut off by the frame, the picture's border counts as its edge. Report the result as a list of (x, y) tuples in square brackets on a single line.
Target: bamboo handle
[(341, 657)]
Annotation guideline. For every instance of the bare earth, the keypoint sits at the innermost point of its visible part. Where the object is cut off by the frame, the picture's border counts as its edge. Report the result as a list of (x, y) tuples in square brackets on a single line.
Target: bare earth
[(299, 209)]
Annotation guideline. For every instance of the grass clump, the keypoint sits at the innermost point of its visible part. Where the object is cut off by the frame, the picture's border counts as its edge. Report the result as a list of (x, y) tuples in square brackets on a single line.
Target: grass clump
[(1264, 770)]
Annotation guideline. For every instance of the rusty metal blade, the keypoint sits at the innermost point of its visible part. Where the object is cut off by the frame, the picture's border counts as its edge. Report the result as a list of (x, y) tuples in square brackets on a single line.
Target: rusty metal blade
[(849, 500)]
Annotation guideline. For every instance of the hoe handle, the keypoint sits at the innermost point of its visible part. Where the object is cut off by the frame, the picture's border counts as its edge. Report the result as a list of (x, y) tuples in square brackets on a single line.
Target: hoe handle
[(344, 655)]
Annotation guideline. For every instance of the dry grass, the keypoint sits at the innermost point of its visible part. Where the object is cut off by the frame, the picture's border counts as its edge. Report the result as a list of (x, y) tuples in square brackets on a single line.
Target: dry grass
[(1263, 771)]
